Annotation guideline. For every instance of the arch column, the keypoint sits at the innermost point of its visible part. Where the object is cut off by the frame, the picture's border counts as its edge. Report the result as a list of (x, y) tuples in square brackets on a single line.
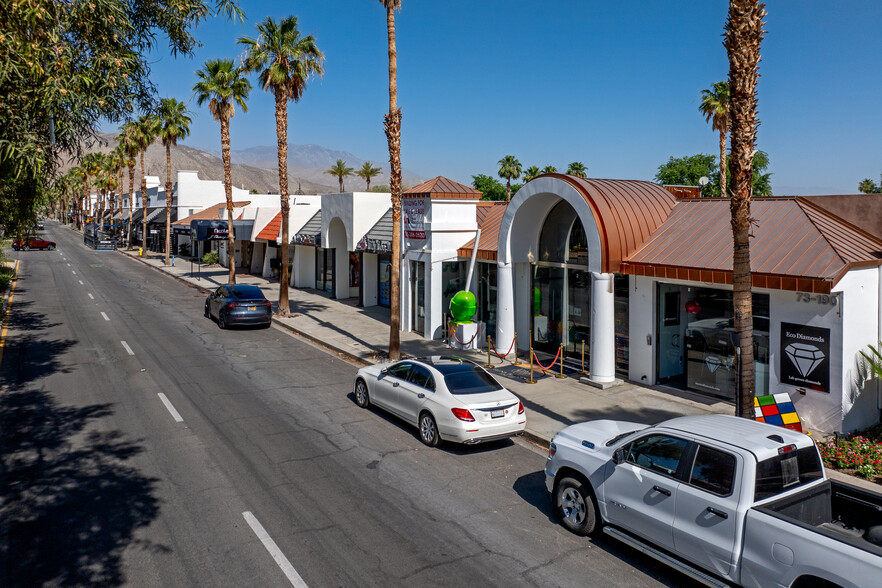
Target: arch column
[(505, 313), (603, 332)]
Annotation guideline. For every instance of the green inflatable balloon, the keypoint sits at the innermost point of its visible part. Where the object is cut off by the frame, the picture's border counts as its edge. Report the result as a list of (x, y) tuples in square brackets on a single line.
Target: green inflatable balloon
[(463, 307)]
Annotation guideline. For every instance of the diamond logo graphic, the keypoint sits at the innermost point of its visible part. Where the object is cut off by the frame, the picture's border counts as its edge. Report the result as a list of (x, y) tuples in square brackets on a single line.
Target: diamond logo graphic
[(804, 357), (712, 363)]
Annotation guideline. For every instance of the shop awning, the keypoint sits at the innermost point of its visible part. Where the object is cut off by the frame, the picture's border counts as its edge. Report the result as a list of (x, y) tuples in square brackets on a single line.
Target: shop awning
[(311, 233), (489, 216), (379, 238)]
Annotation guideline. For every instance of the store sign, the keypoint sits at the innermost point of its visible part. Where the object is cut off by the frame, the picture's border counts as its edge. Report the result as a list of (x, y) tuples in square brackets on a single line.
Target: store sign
[(413, 213), (308, 239), (374, 245), (805, 356)]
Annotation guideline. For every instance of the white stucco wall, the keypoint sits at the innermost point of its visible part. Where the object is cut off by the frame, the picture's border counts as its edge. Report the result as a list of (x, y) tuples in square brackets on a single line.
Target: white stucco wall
[(304, 266), (641, 324), (369, 269)]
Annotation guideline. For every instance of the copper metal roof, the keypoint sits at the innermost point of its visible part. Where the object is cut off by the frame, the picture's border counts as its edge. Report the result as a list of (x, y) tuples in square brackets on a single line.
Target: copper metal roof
[(626, 212), (442, 187), (211, 213), (795, 245), (273, 229), (489, 216)]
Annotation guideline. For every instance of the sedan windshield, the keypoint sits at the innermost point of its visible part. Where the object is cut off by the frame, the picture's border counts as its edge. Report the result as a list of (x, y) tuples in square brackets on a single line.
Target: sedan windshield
[(473, 380)]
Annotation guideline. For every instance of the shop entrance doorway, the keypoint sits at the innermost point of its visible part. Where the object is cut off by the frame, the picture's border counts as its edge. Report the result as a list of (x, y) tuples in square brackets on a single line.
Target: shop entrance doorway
[(671, 334), (418, 297)]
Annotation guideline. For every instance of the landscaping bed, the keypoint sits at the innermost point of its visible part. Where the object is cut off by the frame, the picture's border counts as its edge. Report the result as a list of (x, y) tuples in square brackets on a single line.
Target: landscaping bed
[(858, 454)]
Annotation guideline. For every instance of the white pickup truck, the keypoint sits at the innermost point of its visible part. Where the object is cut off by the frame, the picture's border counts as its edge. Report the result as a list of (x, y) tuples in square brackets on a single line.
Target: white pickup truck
[(725, 500)]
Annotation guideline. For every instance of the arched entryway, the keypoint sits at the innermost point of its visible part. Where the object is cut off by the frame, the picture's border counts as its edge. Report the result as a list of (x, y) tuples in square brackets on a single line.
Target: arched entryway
[(561, 241)]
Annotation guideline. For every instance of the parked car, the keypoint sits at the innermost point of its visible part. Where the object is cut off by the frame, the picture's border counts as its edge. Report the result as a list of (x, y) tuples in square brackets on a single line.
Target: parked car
[(239, 304), (447, 398), (40, 226), (723, 499), (33, 243)]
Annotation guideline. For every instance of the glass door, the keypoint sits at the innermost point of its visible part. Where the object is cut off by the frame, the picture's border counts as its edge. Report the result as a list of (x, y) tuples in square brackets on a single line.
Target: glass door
[(578, 313), (548, 307), (670, 336), (418, 296)]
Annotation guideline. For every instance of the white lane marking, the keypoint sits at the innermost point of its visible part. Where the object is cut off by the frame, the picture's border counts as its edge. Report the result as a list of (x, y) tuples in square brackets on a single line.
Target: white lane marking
[(73, 272), (107, 318), (129, 349), (68, 265), (274, 550), (175, 414), (81, 282), (92, 297)]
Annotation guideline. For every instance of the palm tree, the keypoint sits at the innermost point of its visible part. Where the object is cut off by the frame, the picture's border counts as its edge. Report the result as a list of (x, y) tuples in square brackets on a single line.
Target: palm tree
[(107, 183), (339, 170), (121, 160), (91, 164), (367, 172), (744, 34), (174, 125), (715, 108), (870, 363), (549, 169), (128, 139), (578, 169), (532, 173), (221, 85), (284, 61), (392, 125), (146, 130), (509, 169)]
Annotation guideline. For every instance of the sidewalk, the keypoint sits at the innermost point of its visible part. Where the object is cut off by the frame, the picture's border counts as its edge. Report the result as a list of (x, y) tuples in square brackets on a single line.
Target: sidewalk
[(362, 335)]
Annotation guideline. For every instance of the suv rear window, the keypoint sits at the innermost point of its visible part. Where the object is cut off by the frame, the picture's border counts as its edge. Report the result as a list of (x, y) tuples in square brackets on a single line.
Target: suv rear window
[(780, 473)]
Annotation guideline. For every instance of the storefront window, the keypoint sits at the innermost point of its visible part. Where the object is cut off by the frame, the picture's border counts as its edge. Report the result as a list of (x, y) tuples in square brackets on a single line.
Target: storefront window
[(710, 348), (324, 269), (487, 295), (621, 322), (555, 234), (453, 277)]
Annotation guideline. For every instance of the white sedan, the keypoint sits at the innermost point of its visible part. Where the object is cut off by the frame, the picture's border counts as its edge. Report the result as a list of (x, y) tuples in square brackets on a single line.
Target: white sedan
[(446, 397)]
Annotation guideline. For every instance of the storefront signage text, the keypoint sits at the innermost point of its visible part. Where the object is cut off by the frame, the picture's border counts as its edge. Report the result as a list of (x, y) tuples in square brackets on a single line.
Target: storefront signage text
[(805, 356), (306, 239), (826, 299), (413, 212), (373, 245)]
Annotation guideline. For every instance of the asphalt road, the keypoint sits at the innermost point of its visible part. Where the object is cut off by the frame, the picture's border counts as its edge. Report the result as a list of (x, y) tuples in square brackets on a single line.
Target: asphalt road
[(141, 445)]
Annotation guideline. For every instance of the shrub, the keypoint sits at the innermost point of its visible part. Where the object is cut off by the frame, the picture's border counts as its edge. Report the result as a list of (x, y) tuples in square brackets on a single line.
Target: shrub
[(210, 258), (859, 453)]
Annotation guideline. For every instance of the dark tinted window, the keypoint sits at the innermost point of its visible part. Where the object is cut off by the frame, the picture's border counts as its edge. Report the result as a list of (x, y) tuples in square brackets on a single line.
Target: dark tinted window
[(780, 473), (400, 370), (713, 470), (658, 453), (420, 376), (473, 380), (250, 292), (220, 292)]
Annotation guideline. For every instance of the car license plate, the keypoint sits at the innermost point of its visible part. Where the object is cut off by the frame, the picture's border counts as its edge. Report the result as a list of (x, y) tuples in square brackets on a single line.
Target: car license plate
[(497, 414), (252, 308)]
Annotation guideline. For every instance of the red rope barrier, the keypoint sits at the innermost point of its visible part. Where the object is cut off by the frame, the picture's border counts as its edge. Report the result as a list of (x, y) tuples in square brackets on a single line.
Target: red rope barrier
[(542, 367), (496, 353), (455, 338)]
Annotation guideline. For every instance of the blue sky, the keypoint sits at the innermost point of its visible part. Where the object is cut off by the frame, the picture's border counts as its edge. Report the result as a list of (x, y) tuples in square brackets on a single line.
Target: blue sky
[(615, 85)]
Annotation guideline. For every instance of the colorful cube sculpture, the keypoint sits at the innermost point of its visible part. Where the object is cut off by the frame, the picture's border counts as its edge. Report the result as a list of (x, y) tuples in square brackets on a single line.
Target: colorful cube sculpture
[(776, 409)]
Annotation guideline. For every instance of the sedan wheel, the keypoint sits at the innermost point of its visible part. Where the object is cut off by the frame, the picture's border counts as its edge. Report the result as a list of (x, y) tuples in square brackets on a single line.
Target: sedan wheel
[(361, 394), (221, 321), (26, 247), (575, 507), (50, 247), (207, 314), (428, 430)]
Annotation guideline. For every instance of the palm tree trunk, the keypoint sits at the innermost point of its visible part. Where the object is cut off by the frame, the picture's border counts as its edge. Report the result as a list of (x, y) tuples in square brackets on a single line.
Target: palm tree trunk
[(282, 136), (102, 195), (393, 135), (508, 190), (131, 200), (341, 183), (744, 33), (144, 203), (724, 188), (368, 180), (168, 204), (228, 190)]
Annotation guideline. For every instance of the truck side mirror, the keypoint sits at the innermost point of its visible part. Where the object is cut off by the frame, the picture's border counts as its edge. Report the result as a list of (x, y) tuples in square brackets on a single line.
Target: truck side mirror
[(619, 455)]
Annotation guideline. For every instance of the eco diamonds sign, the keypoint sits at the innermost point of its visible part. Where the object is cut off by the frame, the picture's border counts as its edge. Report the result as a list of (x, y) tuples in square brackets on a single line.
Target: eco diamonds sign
[(805, 356), (413, 213)]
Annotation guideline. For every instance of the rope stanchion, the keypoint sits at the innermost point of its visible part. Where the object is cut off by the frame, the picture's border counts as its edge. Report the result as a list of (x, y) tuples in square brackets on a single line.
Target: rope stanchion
[(551, 365), (517, 362), (582, 372), (489, 365), (531, 380), (561, 375), (495, 352), (466, 345)]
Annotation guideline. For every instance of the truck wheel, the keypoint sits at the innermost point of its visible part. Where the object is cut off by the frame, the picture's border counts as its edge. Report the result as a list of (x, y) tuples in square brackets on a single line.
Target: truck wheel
[(575, 505)]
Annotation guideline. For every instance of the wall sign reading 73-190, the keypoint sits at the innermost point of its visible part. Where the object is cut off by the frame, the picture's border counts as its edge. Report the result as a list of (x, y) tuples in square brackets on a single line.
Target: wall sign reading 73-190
[(830, 299)]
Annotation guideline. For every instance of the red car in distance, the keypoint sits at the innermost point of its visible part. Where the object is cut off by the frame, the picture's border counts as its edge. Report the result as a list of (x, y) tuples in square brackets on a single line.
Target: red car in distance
[(33, 244)]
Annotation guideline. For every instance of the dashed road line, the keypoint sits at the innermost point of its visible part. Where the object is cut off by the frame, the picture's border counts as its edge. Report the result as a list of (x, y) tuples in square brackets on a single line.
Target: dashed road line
[(92, 297), (274, 550), (107, 318), (129, 349), (81, 282), (168, 405), (73, 272)]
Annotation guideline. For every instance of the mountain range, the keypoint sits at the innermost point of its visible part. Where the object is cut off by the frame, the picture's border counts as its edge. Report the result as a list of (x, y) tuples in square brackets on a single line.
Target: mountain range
[(256, 168)]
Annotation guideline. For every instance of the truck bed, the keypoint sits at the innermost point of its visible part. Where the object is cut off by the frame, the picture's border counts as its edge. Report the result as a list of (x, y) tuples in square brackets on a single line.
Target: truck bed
[(837, 510)]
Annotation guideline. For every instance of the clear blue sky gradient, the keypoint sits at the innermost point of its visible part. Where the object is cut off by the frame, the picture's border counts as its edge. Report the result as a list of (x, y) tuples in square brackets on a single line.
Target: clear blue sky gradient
[(615, 85)]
